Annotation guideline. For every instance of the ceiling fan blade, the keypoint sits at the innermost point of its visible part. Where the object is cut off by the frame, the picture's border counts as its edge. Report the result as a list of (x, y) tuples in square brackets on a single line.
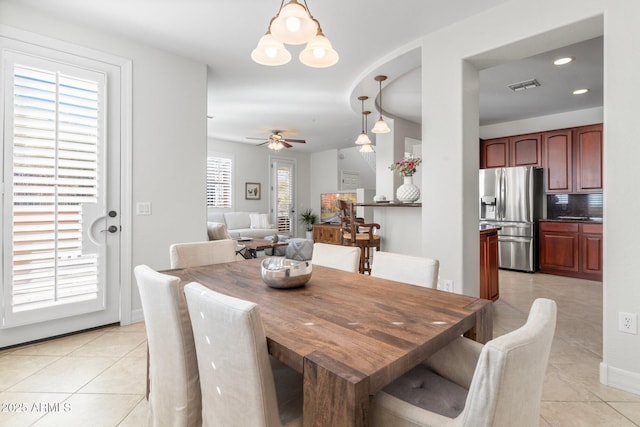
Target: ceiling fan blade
[(286, 144), (296, 140), (266, 142), (250, 137)]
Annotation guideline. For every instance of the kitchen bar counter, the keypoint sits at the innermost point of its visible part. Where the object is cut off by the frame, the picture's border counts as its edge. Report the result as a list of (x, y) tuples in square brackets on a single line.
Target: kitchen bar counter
[(389, 205)]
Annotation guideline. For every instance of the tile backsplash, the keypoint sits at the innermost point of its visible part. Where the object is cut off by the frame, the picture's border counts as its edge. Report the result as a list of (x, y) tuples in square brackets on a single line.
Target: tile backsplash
[(587, 205)]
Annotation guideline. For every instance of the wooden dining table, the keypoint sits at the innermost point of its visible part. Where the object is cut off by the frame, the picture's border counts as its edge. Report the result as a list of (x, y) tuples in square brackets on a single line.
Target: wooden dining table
[(348, 334)]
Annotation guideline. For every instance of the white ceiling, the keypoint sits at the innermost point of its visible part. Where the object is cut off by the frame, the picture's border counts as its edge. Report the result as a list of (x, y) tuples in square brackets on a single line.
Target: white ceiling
[(249, 100)]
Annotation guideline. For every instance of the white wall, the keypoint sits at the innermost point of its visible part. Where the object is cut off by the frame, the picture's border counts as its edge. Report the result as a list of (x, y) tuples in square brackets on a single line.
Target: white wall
[(252, 164), (350, 159), (450, 138), (324, 176), (169, 137)]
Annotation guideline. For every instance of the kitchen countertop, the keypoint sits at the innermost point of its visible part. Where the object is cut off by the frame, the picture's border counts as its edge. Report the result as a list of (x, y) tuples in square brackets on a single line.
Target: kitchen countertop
[(489, 228), (590, 220)]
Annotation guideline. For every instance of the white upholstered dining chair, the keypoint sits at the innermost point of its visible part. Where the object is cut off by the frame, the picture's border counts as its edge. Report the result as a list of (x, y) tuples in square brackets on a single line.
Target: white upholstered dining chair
[(193, 254), (174, 397), (468, 384), (238, 386), (341, 257), (411, 269)]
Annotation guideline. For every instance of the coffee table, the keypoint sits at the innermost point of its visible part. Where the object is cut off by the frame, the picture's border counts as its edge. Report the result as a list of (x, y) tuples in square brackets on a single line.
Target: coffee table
[(254, 245)]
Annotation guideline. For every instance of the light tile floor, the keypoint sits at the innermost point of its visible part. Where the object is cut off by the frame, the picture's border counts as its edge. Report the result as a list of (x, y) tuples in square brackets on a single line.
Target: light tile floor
[(97, 378)]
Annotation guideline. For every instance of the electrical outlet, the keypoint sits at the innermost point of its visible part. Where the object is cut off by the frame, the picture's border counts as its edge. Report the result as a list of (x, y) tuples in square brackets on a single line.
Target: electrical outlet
[(628, 323), (447, 285)]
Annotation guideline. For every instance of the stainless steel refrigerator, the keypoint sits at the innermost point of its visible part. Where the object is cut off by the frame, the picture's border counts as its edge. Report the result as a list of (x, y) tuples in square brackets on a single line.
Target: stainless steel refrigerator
[(511, 198)]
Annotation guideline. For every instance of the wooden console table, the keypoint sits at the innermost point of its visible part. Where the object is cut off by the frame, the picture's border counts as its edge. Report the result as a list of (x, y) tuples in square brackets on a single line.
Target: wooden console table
[(327, 233)]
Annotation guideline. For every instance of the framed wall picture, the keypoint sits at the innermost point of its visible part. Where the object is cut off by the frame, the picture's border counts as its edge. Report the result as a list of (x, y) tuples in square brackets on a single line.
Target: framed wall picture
[(252, 190)]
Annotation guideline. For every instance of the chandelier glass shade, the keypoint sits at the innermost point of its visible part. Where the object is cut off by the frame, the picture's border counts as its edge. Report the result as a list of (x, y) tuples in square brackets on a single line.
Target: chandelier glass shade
[(366, 148), (295, 25), (270, 51), (319, 53)]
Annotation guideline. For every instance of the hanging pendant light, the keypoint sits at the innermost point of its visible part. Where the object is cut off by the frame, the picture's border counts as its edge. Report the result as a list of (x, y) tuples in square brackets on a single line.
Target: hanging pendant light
[(380, 126), (293, 24), (366, 148), (363, 138), (319, 53)]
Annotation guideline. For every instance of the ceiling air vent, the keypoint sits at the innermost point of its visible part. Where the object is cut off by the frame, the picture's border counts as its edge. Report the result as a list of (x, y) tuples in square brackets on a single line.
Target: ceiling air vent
[(527, 84)]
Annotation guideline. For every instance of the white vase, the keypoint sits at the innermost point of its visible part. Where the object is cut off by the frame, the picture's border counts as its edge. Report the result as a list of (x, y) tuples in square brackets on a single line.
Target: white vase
[(408, 192)]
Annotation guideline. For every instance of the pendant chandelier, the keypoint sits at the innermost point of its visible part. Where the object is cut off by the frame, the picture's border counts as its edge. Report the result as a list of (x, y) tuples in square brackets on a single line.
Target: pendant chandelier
[(295, 25), (363, 138), (380, 126), (366, 147)]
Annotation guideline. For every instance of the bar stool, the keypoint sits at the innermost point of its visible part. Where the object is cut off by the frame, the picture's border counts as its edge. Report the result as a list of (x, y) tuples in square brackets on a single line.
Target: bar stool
[(356, 233)]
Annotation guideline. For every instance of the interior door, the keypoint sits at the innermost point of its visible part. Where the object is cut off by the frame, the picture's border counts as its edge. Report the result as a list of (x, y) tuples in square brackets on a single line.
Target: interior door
[(60, 204), (283, 195)]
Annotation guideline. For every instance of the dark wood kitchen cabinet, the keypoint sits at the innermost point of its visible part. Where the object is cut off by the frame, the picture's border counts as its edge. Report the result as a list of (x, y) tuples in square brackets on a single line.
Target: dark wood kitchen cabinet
[(526, 150), (489, 284), (571, 249), (559, 248), (587, 142), (591, 250), (521, 150), (494, 153), (558, 161)]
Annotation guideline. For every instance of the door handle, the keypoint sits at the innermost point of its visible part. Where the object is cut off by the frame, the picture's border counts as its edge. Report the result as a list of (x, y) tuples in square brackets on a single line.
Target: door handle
[(111, 229)]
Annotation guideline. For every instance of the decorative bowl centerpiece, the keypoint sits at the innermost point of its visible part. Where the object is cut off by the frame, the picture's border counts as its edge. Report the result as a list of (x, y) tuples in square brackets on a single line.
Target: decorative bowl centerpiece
[(282, 273)]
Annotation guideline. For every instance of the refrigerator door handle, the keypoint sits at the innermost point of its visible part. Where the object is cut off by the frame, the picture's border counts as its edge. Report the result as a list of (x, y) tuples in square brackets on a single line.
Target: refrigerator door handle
[(503, 193)]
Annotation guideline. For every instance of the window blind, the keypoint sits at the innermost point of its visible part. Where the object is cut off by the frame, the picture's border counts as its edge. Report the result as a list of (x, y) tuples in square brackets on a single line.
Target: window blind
[(219, 170), (55, 158)]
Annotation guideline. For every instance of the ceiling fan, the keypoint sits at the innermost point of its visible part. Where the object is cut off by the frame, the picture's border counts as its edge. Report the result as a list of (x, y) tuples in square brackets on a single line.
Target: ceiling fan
[(276, 141)]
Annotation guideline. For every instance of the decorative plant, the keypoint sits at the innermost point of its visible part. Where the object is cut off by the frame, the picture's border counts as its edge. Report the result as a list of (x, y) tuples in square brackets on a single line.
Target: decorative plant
[(406, 167), (309, 218)]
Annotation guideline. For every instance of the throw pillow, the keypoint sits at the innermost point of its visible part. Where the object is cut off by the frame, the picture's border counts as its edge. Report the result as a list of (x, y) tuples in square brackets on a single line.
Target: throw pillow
[(217, 231), (259, 220)]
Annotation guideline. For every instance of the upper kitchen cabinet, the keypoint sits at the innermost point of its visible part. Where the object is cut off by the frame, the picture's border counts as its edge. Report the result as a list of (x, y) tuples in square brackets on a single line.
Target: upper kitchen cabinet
[(494, 153), (521, 150), (525, 150), (558, 161), (588, 158)]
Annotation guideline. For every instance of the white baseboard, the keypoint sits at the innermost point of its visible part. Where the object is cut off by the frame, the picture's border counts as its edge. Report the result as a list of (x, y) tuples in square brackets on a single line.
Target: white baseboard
[(619, 378), (137, 316)]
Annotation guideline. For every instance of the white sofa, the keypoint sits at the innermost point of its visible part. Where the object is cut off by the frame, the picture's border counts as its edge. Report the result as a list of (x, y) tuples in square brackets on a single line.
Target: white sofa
[(239, 224)]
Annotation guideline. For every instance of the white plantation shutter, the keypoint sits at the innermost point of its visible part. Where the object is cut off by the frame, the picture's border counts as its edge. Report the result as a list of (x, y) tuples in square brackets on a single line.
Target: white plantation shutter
[(56, 121), (285, 198), (219, 170)]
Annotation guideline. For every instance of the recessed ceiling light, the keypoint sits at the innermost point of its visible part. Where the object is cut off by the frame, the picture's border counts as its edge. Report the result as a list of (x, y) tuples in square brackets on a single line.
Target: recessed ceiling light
[(562, 61), (580, 91)]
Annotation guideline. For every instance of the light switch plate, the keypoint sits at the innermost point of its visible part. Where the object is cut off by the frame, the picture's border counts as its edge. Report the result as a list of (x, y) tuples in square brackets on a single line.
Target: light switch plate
[(143, 208)]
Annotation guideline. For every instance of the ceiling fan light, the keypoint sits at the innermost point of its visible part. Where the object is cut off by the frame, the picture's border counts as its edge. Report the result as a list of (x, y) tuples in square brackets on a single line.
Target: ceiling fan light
[(366, 148), (363, 138), (319, 53), (381, 127), (270, 51), (293, 25)]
